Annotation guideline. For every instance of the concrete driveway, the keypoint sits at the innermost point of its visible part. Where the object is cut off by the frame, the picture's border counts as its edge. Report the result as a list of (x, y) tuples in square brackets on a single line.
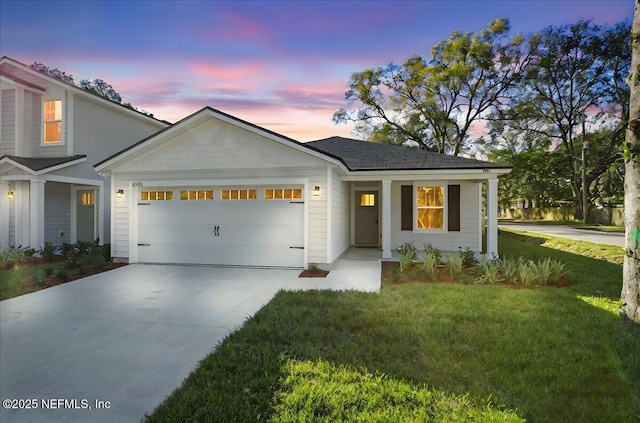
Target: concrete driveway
[(111, 347)]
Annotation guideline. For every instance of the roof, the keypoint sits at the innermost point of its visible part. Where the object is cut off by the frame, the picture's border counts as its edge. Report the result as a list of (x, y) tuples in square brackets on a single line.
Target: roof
[(37, 164), (27, 78), (360, 155)]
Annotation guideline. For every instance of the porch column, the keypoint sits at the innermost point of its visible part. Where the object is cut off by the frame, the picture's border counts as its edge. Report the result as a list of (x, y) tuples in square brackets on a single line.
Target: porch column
[(492, 217), (4, 215), (386, 219), (36, 229)]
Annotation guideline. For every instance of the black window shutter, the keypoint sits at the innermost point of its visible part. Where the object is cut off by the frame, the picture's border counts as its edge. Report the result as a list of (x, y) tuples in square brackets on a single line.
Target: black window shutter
[(406, 215), (453, 192)]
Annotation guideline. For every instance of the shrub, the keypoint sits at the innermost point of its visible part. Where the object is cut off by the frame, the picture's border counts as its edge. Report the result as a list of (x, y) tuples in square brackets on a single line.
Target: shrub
[(527, 273), (60, 272), (557, 270), (17, 255), (430, 249), (468, 257), (490, 272), (428, 264), (456, 264), (4, 259), (510, 269), (38, 278), (407, 255), (49, 251)]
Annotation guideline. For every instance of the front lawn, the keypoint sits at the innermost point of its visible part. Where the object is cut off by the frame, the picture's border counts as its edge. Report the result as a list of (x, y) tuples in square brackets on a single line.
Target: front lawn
[(430, 352)]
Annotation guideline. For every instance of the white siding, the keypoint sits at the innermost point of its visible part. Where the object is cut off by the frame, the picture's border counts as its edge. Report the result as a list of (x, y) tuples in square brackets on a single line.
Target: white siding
[(100, 131), (340, 216), (215, 144), (442, 240), (57, 212), (216, 152), (8, 145)]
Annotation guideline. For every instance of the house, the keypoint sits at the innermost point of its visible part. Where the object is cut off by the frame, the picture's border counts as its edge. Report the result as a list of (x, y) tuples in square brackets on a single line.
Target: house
[(51, 136), (214, 189)]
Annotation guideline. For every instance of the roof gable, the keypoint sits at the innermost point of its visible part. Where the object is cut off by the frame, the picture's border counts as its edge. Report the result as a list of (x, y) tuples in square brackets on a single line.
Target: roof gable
[(196, 119), (39, 165)]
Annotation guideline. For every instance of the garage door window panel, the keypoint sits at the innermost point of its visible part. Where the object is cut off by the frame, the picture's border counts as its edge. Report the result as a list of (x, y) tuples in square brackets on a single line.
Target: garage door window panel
[(239, 194), (195, 195), (156, 195), (283, 194)]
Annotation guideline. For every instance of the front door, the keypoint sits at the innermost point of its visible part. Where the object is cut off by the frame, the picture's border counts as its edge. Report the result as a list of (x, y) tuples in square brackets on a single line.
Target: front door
[(366, 225), (85, 216)]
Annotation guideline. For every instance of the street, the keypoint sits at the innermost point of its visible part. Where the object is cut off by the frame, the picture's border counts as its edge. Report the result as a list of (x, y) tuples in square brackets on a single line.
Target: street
[(569, 232)]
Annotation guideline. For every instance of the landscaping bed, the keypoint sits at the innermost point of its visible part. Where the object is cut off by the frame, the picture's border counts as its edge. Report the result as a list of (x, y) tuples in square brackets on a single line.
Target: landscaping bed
[(23, 271)]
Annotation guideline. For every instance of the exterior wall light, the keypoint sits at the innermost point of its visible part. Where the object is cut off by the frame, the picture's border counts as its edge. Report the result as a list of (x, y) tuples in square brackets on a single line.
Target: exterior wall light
[(316, 191), (120, 193), (10, 195)]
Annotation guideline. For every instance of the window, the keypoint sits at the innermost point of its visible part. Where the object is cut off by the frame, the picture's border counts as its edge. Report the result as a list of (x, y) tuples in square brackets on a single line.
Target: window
[(196, 195), (430, 207), (367, 200), (87, 199), (156, 195), (238, 194), (283, 194), (52, 121)]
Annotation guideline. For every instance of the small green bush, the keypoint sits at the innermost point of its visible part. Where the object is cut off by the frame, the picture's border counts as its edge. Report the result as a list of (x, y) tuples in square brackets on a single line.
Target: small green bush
[(60, 272), (38, 278), (49, 251), (489, 272), (527, 273), (468, 257), (428, 264), (456, 265), (407, 255)]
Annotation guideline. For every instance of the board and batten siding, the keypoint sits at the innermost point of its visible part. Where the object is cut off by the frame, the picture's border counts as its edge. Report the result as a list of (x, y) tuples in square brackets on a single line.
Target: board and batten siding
[(57, 199), (8, 145), (340, 216), (468, 236)]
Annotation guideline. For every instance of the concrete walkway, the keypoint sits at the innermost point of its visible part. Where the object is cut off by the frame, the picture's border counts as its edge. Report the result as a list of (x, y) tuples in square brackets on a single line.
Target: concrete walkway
[(111, 347)]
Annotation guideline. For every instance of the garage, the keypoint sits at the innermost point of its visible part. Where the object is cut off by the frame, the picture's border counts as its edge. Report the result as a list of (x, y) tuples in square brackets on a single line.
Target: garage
[(237, 226)]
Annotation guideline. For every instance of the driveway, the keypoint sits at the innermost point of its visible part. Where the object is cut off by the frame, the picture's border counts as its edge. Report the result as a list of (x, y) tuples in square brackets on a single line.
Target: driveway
[(569, 232), (113, 346)]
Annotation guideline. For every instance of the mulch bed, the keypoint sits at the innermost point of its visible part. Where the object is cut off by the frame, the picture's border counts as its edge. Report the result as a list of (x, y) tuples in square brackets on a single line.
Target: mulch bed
[(411, 275), (318, 273)]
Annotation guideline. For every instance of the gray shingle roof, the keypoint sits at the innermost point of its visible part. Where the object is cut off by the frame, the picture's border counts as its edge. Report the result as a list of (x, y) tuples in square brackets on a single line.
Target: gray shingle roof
[(365, 155), (40, 163)]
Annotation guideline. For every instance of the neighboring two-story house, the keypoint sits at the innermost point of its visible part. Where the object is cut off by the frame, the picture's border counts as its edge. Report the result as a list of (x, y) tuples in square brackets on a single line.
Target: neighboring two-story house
[(51, 136)]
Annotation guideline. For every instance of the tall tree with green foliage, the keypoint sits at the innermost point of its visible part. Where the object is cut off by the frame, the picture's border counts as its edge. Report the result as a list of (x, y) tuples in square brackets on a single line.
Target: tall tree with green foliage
[(631, 265), (434, 104), (574, 83)]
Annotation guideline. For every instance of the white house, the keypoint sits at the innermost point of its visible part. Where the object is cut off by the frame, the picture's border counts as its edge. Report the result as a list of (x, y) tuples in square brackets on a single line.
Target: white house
[(214, 189), (51, 136)]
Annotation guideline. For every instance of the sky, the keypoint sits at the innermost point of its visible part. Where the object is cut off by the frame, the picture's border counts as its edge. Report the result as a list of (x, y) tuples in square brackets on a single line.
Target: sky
[(282, 65)]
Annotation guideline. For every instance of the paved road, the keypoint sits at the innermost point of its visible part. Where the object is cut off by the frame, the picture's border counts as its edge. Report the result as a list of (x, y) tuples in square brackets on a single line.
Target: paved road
[(569, 232)]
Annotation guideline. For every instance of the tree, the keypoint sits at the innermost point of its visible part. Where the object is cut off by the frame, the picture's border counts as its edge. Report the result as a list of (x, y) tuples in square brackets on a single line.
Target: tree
[(435, 105), (53, 72), (101, 88), (631, 266), (574, 82)]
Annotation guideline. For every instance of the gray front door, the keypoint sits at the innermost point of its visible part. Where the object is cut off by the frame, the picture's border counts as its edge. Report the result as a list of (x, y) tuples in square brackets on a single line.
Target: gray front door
[(85, 215), (366, 225)]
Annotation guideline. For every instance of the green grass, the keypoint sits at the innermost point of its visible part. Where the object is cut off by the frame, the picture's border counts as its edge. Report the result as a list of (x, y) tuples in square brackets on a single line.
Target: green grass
[(15, 282), (430, 352)]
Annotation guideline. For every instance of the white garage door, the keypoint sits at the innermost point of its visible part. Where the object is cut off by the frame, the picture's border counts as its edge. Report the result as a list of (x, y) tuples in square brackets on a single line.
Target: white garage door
[(262, 226)]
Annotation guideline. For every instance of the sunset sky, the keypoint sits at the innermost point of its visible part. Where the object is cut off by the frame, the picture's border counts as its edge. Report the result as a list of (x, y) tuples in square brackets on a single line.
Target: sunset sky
[(281, 65)]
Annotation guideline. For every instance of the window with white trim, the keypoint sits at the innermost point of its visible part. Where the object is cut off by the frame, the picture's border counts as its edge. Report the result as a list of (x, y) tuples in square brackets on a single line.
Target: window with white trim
[(430, 207), (52, 121)]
